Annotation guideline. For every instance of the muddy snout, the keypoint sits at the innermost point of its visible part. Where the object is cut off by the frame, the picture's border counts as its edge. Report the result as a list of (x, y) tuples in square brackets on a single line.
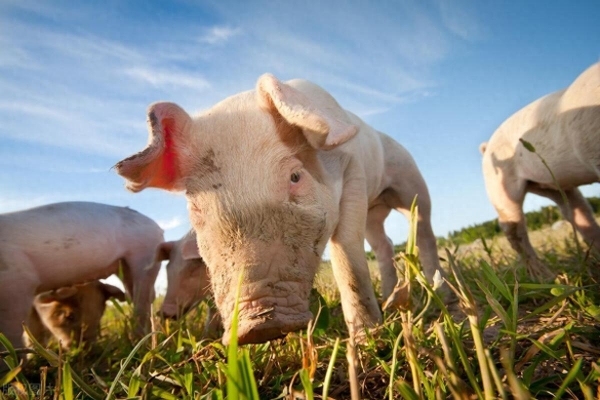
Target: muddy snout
[(267, 321)]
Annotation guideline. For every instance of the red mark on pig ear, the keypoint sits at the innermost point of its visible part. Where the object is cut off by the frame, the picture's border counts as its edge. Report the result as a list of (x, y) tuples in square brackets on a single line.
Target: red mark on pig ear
[(159, 164), (169, 156)]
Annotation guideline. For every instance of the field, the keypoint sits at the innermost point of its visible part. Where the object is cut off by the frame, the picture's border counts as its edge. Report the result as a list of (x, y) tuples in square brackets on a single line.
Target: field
[(507, 337)]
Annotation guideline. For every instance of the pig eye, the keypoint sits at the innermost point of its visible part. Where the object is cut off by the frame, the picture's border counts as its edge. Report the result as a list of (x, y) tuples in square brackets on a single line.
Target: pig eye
[(295, 178)]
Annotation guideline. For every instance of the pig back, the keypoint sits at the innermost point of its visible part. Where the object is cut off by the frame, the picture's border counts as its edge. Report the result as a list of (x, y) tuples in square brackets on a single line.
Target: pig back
[(63, 241)]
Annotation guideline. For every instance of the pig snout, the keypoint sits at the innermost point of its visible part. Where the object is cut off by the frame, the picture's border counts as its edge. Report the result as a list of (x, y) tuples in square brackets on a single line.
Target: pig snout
[(261, 321)]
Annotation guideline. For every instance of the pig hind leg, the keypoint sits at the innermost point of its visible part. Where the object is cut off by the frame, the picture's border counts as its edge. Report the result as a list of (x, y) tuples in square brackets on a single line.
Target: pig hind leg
[(382, 247), (400, 196), (507, 196), (578, 212)]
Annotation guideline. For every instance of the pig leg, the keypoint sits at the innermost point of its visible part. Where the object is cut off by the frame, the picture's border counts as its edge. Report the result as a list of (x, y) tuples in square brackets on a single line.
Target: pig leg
[(507, 194), (578, 212), (349, 263), (382, 247), (400, 196), (16, 300), (139, 277)]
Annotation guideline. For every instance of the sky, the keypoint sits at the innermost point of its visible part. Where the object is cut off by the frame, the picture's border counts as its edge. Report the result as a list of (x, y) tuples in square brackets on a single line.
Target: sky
[(438, 76)]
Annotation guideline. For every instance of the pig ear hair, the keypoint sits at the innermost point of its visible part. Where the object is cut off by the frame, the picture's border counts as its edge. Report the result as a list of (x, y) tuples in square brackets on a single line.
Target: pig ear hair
[(112, 291), (322, 129), (163, 251), (57, 295), (159, 164)]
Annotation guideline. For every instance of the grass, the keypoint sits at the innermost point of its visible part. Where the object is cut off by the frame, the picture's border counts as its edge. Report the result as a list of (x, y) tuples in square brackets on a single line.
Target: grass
[(505, 337)]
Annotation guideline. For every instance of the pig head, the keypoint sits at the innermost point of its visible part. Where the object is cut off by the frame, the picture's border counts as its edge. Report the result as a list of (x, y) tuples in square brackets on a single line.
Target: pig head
[(188, 281), (187, 276), (71, 314), (271, 176)]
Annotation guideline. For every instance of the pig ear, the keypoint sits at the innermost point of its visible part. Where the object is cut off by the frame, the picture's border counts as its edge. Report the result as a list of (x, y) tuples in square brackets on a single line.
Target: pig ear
[(322, 129), (57, 295), (189, 249), (160, 164), (163, 252), (112, 291)]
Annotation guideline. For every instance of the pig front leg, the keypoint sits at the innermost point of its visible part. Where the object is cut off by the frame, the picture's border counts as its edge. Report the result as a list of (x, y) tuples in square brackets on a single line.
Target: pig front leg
[(16, 299), (349, 264), (139, 277)]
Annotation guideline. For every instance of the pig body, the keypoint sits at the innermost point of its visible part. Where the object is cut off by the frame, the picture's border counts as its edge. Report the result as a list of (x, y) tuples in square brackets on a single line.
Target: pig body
[(271, 176), (71, 314), (564, 129), (188, 280), (62, 244)]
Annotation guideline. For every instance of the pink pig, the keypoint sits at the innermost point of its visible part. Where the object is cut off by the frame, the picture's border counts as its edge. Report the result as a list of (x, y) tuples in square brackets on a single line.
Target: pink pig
[(62, 244), (271, 176), (564, 129)]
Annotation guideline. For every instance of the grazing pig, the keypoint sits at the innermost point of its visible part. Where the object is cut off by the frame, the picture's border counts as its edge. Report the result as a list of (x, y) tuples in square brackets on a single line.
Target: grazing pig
[(271, 176), (62, 244), (71, 313), (187, 277), (564, 129)]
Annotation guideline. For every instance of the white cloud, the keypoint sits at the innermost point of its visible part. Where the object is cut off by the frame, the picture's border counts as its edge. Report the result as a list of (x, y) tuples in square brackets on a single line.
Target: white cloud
[(219, 34), (172, 223)]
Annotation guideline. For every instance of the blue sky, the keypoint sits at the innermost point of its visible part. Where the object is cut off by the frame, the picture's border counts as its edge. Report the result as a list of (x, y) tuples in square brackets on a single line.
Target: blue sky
[(438, 76)]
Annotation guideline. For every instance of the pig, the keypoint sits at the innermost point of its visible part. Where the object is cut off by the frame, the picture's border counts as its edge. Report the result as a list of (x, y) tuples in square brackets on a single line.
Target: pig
[(71, 314), (564, 130), (62, 244), (270, 176), (188, 281)]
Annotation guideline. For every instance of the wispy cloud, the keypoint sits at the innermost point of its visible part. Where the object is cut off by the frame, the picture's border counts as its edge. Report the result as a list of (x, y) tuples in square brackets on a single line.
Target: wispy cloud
[(160, 78), (219, 34), (35, 110), (458, 18)]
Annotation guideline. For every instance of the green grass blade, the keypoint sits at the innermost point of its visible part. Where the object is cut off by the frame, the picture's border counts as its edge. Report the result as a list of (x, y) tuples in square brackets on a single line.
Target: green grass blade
[(329, 372), (249, 380), (6, 379), (113, 386), (306, 384), (49, 356), (407, 391), (67, 381), (13, 361), (575, 370)]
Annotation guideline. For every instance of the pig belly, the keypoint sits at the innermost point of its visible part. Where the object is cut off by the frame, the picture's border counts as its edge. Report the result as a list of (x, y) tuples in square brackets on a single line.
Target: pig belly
[(65, 261), (568, 173)]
